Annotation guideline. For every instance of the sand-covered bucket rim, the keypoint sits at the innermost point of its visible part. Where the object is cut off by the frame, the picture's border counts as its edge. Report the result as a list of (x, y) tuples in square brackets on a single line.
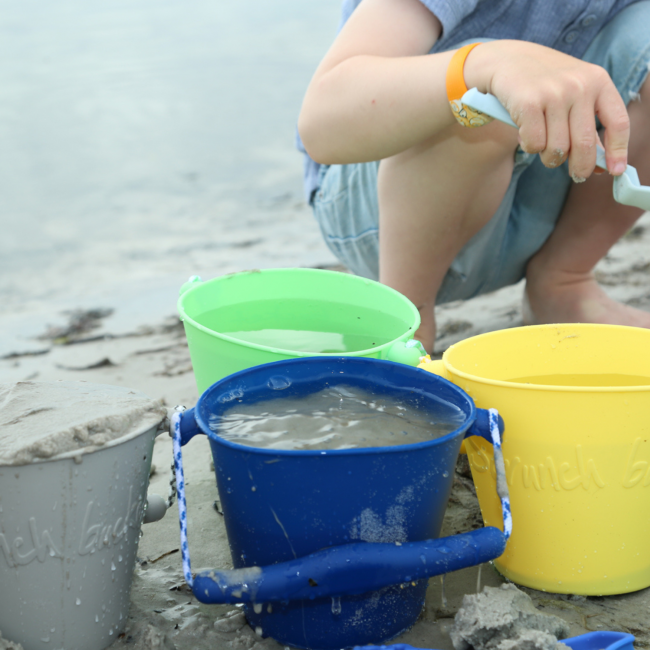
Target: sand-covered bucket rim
[(91, 449)]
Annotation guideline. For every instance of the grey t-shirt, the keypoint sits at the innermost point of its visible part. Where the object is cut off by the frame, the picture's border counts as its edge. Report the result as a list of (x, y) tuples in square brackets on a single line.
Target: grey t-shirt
[(565, 25)]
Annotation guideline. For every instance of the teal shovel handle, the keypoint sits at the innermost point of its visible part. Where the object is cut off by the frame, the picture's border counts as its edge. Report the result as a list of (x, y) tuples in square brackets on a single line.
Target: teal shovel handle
[(487, 104), (627, 188)]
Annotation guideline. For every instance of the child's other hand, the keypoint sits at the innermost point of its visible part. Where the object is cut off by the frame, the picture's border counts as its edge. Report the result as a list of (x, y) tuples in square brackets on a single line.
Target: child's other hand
[(554, 99)]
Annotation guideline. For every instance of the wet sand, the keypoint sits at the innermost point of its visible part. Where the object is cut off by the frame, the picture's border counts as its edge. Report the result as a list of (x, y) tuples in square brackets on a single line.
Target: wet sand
[(139, 149), (154, 359)]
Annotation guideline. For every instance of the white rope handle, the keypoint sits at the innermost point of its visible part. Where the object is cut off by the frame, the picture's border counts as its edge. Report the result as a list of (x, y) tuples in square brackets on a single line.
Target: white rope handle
[(180, 487), (500, 466)]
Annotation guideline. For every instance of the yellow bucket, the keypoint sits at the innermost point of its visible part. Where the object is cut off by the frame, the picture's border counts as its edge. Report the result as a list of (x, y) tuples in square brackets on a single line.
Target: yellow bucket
[(576, 404)]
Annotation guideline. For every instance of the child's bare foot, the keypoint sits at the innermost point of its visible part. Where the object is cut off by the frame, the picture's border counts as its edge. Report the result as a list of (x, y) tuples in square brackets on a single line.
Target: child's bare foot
[(564, 298)]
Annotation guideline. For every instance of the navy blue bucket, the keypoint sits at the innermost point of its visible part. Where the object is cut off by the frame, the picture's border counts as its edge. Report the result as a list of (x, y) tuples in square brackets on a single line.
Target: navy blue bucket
[(333, 549)]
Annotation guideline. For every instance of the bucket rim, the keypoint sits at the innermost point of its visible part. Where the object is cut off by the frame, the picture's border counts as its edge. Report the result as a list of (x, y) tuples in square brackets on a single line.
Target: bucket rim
[(303, 453), (285, 351), (91, 449), (543, 387)]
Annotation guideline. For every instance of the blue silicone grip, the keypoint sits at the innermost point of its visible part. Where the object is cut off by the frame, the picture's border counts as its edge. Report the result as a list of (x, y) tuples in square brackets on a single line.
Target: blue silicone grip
[(481, 426), (349, 569)]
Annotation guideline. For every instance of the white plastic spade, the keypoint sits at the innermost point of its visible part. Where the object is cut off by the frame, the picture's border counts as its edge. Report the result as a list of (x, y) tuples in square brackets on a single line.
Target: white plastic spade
[(627, 187)]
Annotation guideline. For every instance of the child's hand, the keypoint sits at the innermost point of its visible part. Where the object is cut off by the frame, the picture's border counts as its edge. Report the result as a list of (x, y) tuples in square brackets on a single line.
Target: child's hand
[(554, 99)]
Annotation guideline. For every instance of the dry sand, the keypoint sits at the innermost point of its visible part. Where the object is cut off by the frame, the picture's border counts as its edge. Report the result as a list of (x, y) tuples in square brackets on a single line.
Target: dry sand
[(155, 360)]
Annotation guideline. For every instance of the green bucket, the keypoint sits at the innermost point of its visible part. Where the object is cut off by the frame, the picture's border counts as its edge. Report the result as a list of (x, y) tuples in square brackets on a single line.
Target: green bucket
[(245, 319)]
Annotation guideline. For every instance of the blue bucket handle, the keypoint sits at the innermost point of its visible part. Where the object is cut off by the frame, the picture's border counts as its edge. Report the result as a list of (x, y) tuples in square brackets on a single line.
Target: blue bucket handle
[(348, 569)]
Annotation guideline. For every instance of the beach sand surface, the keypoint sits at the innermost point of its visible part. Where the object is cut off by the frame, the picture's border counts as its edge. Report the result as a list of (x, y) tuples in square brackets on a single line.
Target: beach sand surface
[(143, 144), (153, 357)]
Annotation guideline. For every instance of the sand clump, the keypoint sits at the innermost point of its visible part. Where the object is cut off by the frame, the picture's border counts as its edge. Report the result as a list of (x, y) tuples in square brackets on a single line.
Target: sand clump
[(42, 420), (505, 618), (9, 645)]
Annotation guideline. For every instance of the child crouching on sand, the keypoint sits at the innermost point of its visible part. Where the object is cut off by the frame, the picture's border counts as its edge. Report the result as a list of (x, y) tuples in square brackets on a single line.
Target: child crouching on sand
[(405, 194)]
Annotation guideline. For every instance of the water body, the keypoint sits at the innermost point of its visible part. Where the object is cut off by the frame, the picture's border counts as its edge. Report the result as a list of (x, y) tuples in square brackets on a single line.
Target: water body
[(150, 137)]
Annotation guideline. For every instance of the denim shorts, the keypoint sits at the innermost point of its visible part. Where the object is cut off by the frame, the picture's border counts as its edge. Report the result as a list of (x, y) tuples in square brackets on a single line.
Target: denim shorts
[(346, 207)]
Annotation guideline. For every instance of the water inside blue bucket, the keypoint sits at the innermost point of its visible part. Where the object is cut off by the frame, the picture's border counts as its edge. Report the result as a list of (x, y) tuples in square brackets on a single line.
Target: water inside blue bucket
[(336, 417)]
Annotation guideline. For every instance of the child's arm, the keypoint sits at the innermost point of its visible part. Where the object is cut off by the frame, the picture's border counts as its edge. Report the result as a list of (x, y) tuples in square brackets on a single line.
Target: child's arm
[(375, 94)]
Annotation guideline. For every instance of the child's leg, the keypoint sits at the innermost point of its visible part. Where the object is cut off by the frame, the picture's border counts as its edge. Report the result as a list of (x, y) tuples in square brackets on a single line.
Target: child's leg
[(560, 285), (432, 199)]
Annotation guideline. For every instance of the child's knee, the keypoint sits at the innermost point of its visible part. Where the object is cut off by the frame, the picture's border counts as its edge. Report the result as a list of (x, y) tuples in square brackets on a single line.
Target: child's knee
[(502, 137), (481, 149)]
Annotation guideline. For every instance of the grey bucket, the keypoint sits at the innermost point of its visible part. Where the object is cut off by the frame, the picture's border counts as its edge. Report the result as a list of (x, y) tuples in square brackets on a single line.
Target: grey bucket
[(69, 531)]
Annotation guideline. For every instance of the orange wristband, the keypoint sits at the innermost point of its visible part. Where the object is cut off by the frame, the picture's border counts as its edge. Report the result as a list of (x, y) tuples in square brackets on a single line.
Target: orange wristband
[(456, 88)]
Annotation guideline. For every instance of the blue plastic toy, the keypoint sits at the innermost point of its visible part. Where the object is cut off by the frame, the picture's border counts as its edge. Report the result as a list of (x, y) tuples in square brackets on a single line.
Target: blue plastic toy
[(589, 641), (333, 548)]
